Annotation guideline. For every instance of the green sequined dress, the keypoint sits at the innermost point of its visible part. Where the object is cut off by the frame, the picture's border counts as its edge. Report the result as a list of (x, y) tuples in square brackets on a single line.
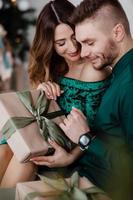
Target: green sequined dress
[(85, 96)]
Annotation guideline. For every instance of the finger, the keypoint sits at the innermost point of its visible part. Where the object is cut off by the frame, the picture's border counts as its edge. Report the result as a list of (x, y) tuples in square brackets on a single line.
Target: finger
[(42, 159), (49, 89), (54, 144), (63, 127), (43, 163), (58, 90), (53, 89), (44, 87), (66, 121), (69, 117), (39, 87), (78, 112)]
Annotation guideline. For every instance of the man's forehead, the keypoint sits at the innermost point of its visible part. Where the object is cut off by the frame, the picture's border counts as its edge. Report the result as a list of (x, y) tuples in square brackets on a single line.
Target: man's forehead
[(85, 29)]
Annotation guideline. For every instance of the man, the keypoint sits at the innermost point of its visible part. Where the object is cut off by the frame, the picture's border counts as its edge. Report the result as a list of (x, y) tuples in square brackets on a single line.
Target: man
[(102, 29)]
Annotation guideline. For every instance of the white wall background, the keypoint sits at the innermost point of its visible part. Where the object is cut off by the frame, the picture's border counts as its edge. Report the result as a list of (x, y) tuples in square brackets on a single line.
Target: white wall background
[(128, 7), (38, 5)]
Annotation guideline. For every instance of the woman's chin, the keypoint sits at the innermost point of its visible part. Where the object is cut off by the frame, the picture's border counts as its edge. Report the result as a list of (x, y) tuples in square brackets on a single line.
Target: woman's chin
[(74, 58)]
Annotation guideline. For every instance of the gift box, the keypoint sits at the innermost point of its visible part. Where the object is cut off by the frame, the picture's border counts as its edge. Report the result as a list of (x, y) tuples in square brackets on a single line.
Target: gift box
[(28, 120), (23, 189), (59, 189)]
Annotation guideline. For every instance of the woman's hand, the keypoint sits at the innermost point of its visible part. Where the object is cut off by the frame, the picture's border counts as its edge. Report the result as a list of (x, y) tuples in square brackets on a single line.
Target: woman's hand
[(52, 90), (60, 158)]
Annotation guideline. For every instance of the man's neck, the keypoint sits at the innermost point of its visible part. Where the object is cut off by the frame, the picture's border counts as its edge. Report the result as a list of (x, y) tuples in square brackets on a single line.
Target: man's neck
[(124, 48)]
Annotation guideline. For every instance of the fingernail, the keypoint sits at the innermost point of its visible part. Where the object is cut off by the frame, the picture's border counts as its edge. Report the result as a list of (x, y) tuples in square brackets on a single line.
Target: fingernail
[(50, 140)]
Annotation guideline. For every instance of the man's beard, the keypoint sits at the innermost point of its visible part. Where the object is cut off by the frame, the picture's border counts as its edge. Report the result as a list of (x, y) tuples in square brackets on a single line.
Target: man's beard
[(107, 57)]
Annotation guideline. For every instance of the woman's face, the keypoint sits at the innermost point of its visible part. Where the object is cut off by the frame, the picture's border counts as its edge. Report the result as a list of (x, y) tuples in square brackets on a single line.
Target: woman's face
[(65, 43)]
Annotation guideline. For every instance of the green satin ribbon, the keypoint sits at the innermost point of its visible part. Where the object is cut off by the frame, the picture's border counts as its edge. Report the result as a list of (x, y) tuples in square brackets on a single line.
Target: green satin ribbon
[(65, 191), (39, 114)]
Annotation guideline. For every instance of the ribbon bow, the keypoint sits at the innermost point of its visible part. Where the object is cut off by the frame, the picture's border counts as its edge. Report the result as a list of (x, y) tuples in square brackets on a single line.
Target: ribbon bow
[(65, 191), (39, 114)]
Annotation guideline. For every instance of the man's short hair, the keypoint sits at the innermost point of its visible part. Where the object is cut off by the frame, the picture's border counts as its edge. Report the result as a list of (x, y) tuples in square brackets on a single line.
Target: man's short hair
[(91, 9)]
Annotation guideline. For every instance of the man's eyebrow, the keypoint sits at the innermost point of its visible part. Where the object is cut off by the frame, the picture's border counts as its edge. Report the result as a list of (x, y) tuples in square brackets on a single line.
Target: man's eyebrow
[(87, 40)]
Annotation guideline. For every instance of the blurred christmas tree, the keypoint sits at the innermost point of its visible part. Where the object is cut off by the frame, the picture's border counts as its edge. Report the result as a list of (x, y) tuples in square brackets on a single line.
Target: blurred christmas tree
[(16, 16)]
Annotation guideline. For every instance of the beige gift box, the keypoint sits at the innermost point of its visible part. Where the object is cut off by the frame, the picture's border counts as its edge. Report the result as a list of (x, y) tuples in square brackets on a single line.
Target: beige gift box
[(25, 188), (25, 142), (50, 191)]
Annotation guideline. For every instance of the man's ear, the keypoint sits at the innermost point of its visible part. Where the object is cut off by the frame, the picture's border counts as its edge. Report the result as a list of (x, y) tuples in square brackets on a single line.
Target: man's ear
[(118, 32)]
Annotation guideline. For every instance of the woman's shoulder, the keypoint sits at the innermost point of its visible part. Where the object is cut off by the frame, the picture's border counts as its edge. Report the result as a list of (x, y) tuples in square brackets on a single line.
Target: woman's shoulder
[(104, 73), (91, 74)]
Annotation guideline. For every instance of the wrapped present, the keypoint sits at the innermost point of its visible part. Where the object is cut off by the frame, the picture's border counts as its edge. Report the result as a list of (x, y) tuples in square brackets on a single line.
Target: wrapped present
[(28, 120), (60, 189), (23, 189)]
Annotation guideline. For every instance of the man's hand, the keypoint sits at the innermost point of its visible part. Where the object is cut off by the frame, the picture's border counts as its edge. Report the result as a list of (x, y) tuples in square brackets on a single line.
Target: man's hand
[(75, 125), (60, 158)]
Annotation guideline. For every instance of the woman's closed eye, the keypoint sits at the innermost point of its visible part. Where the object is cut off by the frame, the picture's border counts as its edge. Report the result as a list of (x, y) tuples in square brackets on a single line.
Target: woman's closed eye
[(60, 43)]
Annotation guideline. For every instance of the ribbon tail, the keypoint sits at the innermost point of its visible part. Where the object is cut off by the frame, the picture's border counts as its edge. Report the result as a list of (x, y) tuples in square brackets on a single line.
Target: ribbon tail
[(25, 98), (93, 190), (15, 123), (56, 134), (58, 184), (75, 179), (7, 130), (32, 195), (44, 131), (78, 194), (42, 104)]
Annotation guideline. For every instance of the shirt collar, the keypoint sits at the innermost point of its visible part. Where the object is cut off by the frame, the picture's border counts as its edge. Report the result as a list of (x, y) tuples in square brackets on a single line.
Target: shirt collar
[(123, 62)]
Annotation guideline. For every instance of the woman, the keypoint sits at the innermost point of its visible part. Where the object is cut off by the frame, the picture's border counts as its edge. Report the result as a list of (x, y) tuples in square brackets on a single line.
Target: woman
[(55, 56), (56, 62)]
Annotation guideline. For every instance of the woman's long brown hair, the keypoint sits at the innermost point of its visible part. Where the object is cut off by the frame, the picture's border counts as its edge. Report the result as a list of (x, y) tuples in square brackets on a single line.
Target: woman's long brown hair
[(45, 64)]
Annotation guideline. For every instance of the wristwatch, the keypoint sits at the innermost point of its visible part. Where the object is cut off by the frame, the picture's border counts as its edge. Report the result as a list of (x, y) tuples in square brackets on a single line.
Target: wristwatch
[(85, 140)]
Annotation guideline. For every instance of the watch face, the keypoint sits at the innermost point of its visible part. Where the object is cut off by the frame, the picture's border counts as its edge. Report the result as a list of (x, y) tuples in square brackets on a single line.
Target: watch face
[(84, 140)]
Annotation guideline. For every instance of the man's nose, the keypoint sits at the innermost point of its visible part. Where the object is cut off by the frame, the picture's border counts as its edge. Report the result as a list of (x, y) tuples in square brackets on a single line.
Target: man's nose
[(84, 52)]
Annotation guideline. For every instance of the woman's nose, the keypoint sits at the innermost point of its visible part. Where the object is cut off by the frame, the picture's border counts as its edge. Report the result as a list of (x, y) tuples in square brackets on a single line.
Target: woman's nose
[(72, 47)]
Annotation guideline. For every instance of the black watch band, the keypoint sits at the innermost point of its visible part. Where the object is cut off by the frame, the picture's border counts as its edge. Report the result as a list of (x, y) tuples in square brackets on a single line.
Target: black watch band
[(85, 140)]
